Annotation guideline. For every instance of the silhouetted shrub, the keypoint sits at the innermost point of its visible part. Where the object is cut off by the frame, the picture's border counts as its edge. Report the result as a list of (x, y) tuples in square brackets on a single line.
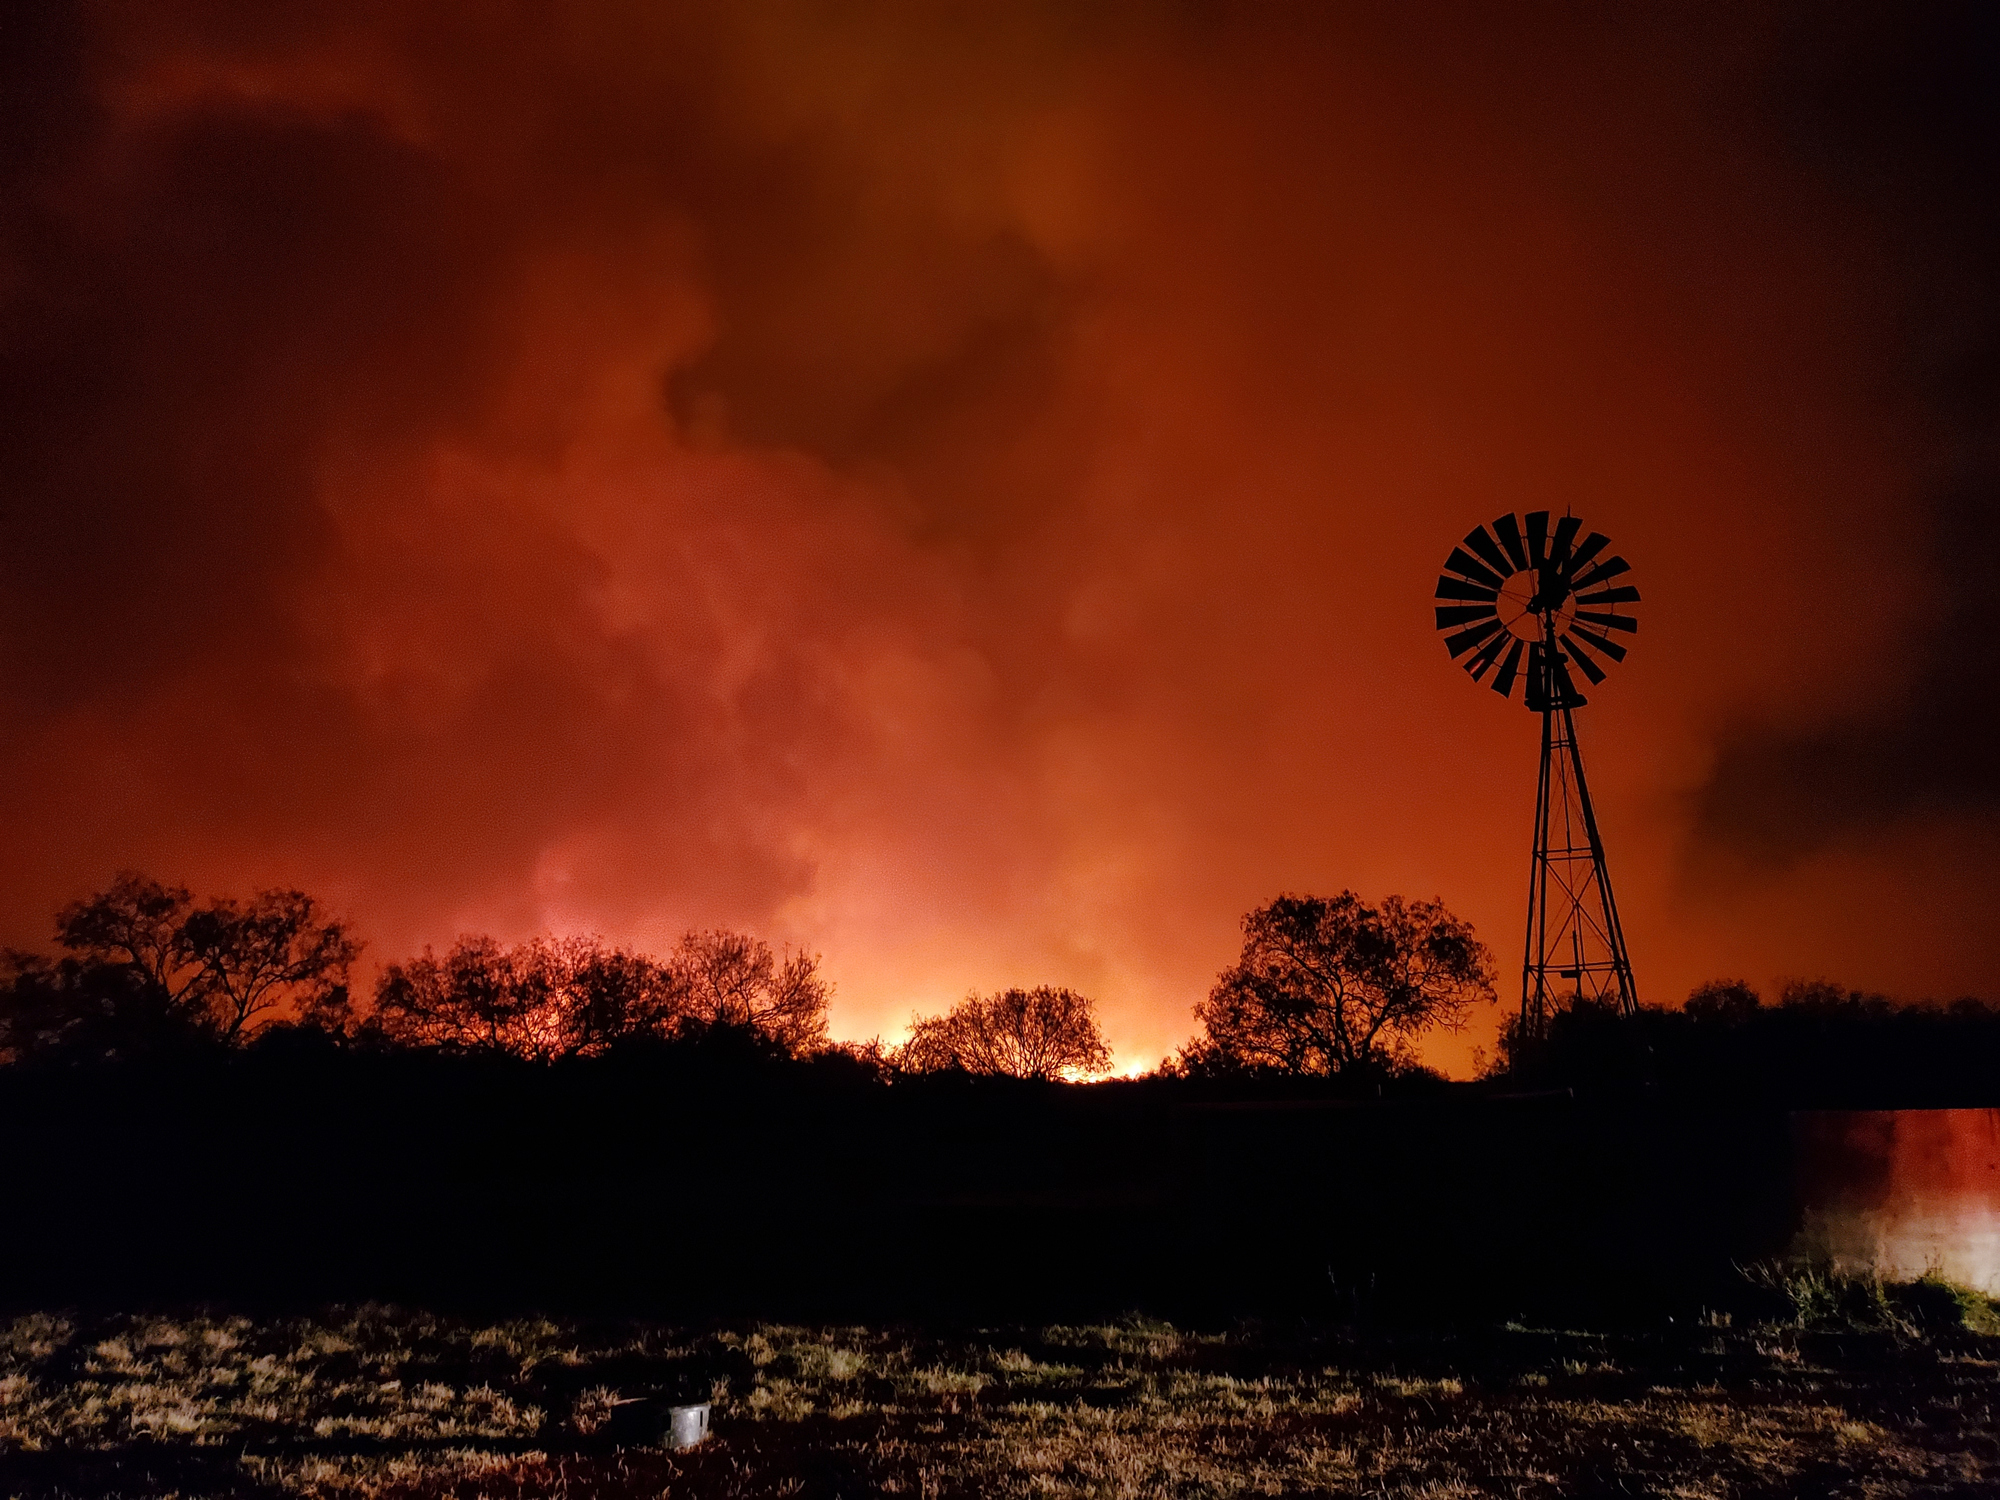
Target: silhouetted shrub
[(75, 1010), (1822, 1045), (1724, 1002), (1046, 1032)]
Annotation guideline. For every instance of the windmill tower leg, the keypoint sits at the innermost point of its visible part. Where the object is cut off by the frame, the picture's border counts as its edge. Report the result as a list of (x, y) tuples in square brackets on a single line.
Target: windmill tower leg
[(1575, 941), (1534, 950), (1611, 930)]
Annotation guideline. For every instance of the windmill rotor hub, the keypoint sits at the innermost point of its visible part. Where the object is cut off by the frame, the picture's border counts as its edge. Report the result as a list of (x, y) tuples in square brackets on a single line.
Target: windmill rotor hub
[(1524, 603)]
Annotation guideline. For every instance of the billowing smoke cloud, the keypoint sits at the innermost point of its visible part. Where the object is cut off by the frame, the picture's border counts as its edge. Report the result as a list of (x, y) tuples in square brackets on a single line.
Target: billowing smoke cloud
[(1899, 113), (524, 468), (954, 489)]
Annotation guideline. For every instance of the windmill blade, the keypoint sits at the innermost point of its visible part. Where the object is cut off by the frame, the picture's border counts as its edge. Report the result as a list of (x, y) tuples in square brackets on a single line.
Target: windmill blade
[(1538, 678), (1611, 567), (1609, 622), (1538, 536), (1487, 655), (1610, 596), (1509, 531), (1503, 680), (1459, 588), (1586, 549), (1480, 542), (1566, 530), (1582, 658), (1462, 614), (1466, 639), (1462, 562), (1602, 643)]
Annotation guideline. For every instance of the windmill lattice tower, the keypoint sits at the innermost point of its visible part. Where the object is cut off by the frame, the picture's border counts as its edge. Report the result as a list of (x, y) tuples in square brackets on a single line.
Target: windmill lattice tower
[(1527, 604)]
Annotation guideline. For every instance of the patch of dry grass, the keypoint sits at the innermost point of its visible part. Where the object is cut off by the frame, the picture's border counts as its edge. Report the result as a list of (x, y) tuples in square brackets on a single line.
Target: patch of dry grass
[(377, 1402)]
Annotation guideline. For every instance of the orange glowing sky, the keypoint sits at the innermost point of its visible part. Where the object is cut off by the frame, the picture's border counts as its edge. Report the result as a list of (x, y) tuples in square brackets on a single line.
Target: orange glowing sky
[(959, 487)]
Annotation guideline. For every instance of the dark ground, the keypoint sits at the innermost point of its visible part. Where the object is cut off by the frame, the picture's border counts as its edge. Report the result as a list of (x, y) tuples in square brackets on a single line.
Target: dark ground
[(382, 1403), (921, 1289), (686, 1191)]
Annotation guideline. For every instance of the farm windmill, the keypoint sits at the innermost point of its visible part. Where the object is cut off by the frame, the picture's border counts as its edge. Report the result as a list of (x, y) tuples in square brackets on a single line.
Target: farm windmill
[(1527, 604)]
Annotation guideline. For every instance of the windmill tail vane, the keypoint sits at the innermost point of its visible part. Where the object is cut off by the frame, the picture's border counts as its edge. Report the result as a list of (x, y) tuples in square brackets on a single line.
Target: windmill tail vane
[(1521, 601)]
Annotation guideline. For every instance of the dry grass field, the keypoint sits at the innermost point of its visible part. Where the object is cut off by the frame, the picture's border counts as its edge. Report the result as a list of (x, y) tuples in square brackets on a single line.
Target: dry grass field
[(380, 1402)]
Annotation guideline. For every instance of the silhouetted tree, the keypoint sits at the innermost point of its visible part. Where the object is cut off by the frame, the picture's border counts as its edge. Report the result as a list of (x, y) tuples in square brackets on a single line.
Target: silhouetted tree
[(147, 965), (733, 980), (470, 1000), (575, 997), (1823, 997), (276, 953), (1329, 986), (141, 924), (1044, 1032), (554, 997), (1723, 1002), (607, 996)]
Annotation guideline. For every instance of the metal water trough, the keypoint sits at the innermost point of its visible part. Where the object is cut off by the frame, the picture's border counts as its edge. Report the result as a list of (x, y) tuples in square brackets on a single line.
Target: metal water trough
[(687, 1425)]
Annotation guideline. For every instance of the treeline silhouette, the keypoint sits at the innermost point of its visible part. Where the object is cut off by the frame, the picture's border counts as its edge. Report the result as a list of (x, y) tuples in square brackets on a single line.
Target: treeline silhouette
[(1820, 1046), (197, 1108), (145, 971), (1327, 989)]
